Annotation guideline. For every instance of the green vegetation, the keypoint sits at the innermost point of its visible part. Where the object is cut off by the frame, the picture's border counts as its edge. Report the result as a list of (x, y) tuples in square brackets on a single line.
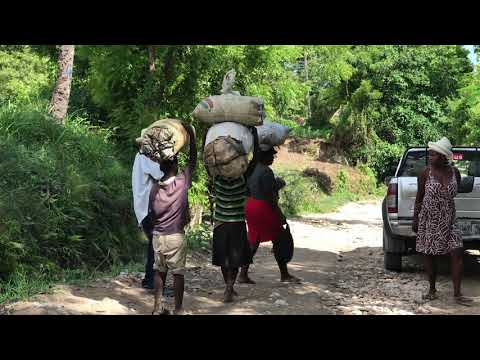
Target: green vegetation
[(24, 75), (66, 203), (25, 283), (66, 199), (314, 193)]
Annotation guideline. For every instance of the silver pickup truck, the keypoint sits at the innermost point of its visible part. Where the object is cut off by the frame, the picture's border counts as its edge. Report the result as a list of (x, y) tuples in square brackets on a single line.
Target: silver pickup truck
[(399, 202)]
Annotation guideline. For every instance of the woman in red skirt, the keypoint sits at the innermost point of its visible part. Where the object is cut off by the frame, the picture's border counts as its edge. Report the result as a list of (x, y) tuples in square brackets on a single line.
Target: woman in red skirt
[(262, 213)]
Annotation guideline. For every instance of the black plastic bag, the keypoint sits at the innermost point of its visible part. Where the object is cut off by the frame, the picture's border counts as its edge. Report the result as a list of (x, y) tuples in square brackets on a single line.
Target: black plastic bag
[(283, 246)]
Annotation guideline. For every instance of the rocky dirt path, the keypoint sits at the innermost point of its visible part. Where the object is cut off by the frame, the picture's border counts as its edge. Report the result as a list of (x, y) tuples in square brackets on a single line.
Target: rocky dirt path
[(339, 257)]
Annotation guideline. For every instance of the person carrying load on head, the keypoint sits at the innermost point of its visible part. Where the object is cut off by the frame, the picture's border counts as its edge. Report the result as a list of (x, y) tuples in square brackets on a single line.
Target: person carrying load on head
[(170, 208), (264, 217), (230, 248)]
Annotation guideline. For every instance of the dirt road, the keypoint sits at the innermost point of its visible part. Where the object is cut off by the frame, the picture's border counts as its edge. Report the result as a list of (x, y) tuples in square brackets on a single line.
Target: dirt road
[(339, 257)]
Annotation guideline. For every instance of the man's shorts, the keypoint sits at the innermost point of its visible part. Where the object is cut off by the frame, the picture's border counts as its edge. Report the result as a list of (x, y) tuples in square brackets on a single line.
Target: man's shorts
[(170, 253)]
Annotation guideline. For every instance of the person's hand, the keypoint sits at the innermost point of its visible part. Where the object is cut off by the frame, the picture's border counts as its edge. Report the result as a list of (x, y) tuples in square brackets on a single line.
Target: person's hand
[(415, 226), (189, 128)]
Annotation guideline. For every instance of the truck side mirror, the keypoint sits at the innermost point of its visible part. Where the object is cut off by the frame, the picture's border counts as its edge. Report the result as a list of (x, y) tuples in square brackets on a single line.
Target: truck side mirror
[(466, 184)]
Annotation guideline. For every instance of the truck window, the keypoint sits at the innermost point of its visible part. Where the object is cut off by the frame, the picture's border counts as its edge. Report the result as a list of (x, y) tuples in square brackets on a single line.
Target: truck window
[(467, 162), (414, 164)]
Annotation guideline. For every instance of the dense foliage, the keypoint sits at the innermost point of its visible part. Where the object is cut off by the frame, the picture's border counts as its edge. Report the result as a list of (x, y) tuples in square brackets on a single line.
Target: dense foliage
[(66, 198)]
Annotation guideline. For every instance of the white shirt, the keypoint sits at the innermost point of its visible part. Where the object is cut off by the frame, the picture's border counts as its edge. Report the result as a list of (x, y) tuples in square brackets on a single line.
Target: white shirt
[(143, 171)]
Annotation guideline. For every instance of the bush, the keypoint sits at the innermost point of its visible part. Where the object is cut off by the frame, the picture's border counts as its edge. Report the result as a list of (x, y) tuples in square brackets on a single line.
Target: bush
[(66, 198), (341, 183), (199, 237), (24, 75)]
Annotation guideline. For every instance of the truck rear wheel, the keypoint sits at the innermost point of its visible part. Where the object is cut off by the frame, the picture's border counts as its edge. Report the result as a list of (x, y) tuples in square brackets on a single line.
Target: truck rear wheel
[(392, 262)]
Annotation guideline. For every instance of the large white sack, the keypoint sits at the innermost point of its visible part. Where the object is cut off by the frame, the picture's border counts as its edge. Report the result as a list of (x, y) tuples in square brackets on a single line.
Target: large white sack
[(235, 130), (272, 134), (247, 110)]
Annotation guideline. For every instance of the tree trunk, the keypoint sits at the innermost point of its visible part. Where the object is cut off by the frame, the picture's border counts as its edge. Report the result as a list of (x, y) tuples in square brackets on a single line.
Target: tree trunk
[(197, 215), (61, 94), (308, 92), (151, 58)]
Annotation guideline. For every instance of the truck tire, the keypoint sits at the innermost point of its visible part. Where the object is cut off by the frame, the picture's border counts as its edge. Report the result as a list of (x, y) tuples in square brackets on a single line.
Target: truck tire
[(392, 262)]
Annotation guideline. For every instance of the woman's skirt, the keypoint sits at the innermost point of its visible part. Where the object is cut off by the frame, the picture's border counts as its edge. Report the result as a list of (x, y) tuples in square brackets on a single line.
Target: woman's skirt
[(230, 245), (264, 224)]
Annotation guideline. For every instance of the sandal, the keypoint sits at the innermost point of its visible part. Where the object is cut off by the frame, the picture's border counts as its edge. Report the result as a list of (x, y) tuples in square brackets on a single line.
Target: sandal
[(430, 296), (181, 312), (234, 293), (164, 311), (462, 300), (228, 297)]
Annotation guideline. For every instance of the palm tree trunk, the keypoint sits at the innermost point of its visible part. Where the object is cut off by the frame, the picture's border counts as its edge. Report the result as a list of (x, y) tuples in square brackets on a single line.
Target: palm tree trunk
[(151, 58), (61, 94)]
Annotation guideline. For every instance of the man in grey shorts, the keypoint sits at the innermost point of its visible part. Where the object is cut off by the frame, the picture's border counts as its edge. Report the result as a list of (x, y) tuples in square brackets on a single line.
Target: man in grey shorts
[(169, 204)]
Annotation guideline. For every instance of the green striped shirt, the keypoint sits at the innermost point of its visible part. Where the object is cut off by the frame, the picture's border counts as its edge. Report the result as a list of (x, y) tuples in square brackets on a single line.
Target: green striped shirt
[(230, 196)]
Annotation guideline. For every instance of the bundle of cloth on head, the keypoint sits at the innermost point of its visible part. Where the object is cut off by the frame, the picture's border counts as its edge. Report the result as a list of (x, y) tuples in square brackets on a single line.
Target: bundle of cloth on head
[(163, 139)]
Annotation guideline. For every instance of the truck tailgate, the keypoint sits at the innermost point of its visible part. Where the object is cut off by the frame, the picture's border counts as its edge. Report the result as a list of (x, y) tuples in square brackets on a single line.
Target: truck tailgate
[(407, 192), (467, 204)]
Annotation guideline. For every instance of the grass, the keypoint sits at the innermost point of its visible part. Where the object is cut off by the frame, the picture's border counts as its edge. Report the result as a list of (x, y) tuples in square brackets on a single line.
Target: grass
[(28, 282), (307, 195), (21, 286)]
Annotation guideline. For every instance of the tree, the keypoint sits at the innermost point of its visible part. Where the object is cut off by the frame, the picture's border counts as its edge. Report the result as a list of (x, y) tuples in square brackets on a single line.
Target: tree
[(396, 96), (25, 75), (61, 94), (151, 58)]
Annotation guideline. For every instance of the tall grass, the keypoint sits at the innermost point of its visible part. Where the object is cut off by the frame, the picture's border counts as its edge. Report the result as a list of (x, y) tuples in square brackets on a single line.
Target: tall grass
[(65, 201)]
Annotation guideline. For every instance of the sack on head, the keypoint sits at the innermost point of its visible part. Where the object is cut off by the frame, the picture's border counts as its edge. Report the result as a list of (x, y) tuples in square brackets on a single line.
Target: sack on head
[(163, 139), (225, 156), (272, 134), (246, 110), (234, 130)]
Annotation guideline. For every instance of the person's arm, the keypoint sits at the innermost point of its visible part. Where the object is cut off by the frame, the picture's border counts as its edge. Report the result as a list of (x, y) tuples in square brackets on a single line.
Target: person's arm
[(270, 192), (256, 151), (203, 152), (419, 199), (192, 160)]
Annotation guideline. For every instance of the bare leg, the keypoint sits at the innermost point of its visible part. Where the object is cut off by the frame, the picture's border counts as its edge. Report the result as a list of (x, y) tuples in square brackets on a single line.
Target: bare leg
[(229, 292), (431, 268), (178, 290), (244, 278), (457, 268), (224, 274), (282, 266), (159, 285), (285, 275), (163, 275)]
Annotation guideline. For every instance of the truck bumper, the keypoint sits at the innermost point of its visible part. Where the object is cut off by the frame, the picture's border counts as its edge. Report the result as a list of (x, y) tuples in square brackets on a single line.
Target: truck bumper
[(402, 228)]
